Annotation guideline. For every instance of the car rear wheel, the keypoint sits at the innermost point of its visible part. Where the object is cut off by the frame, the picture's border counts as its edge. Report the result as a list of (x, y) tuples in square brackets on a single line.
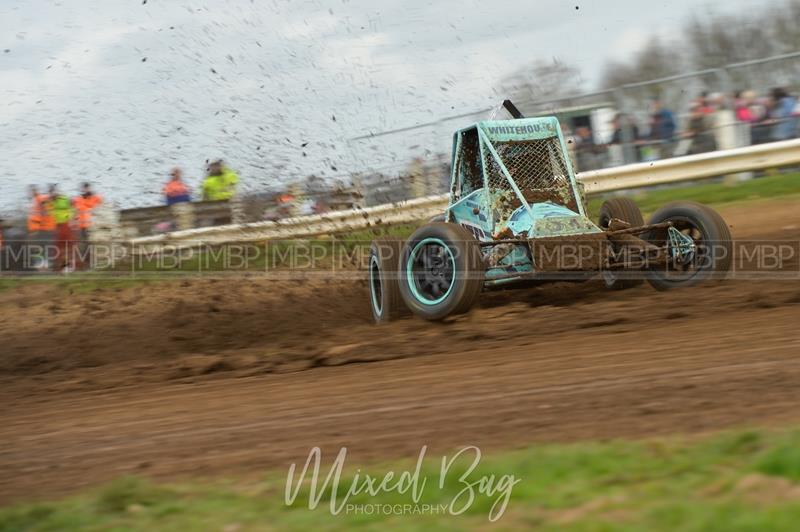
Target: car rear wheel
[(626, 210), (441, 271)]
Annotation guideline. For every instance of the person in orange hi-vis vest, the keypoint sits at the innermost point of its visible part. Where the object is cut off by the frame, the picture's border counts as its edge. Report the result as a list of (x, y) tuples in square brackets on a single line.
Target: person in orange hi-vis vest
[(84, 206), (176, 191), (39, 218), (41, 227)]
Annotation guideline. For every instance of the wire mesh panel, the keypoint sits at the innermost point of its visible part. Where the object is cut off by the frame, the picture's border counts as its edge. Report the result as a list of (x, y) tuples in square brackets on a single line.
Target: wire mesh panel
[(455, 185), (537, 167), (468, 169)]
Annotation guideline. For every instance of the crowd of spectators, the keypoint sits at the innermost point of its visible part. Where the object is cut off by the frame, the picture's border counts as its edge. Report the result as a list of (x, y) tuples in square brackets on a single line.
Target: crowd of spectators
[(219, 185), (712, 121), (58, 227)]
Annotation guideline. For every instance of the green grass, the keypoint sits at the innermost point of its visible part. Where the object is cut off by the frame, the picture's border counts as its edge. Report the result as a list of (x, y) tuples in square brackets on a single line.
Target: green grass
[(75, 282), (714, 194), (746, 480)]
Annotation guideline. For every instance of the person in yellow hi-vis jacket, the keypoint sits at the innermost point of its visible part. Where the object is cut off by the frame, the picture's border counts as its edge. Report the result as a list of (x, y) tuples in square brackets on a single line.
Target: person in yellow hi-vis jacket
[(61, 210), (220, 183)]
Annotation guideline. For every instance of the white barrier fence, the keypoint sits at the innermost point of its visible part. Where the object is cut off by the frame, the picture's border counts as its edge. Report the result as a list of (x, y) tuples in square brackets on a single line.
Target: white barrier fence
[(632, 176)]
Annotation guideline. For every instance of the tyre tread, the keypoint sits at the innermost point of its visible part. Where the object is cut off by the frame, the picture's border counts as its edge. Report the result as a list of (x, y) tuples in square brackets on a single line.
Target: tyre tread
[(393, 306)]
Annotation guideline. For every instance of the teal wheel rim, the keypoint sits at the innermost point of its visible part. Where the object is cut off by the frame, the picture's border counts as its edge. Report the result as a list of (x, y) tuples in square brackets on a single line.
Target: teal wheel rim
[(431, 271)]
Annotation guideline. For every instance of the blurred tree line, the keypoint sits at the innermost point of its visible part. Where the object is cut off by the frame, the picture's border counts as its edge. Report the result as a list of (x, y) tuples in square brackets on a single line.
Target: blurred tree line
[(708, 40), (713, 40)]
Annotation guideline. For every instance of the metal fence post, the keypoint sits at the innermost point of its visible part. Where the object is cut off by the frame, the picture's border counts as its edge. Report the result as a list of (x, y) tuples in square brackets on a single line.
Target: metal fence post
[(628, 148), (183, 215), (725, 82), (237, 209)]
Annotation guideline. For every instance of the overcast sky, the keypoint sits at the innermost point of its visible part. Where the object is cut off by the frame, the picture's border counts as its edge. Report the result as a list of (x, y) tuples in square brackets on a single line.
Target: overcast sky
[(118, 91)]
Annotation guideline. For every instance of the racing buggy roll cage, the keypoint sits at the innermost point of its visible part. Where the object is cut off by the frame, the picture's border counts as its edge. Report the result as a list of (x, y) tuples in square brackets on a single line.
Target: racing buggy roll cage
[(539, 172)]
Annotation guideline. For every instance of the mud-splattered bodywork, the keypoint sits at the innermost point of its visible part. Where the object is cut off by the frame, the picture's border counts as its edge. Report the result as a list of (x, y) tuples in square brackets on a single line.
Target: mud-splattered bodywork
[(513, 180)]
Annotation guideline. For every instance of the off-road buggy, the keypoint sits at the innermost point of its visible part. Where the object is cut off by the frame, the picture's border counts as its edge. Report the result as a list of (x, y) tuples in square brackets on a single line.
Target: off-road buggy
[(517, 213)]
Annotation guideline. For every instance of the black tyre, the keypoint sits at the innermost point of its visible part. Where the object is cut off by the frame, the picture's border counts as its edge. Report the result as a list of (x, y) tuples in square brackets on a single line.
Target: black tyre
[(624, 209), (384, 290), (713, 246), (441, 271)]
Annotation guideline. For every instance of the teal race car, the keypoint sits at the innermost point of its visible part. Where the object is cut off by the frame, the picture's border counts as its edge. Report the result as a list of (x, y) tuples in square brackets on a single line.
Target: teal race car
[(517, 214)]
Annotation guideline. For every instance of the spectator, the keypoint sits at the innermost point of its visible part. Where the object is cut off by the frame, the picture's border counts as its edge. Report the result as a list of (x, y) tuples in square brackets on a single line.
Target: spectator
[(587, 152), (706, 103), (662, 127), (759, 107), (761, 127), (220, 183), (39, 219), (784, 122), (621, 122), (743, 106), (700, 132), (41, 226), (176, 191), (61, 210), (744, 117), (85, 204)]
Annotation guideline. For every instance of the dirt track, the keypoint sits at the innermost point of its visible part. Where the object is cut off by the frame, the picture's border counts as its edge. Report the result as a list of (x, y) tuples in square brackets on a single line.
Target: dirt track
[(234, 377)]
